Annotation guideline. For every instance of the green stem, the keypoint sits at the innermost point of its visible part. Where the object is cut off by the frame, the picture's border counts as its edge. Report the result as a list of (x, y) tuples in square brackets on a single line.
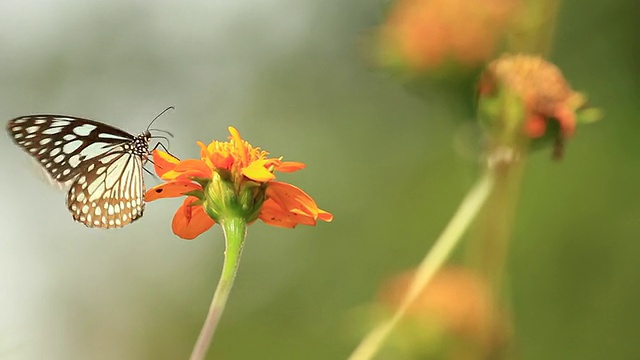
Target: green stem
[(432, 262), (533, 33), (235, 231), (489, 243)]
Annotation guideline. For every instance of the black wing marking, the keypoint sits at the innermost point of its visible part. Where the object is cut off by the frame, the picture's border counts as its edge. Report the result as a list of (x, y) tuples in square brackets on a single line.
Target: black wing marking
[(63, 144)]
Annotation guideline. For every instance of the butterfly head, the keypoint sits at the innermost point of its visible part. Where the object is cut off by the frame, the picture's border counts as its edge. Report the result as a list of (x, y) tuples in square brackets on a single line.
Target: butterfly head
[(140, 145)]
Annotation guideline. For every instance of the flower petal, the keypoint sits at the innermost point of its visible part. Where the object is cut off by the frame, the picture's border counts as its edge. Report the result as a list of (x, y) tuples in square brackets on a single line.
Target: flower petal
[(222, 160), (274, 215), (204, 153), (567, 119), (292, 198), (325, 216), (190, 220), (215, 156), (163, 162), (188, 169), (170, 189), (290, 166), (535, 126), (240, 147), (257, 171), (287, 206)]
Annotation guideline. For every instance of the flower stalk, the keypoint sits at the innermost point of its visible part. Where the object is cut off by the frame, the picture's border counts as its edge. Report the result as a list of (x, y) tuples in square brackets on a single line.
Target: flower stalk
[(235, 230), (431, 263), (232, 184), (492, 231)]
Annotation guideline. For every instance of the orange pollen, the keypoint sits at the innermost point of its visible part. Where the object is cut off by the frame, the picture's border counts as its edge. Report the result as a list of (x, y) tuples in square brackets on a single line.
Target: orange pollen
[(243, 154)]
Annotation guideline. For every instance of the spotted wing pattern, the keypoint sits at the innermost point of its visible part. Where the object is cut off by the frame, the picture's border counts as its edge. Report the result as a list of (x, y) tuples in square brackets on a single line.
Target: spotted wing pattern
[(102, 165)]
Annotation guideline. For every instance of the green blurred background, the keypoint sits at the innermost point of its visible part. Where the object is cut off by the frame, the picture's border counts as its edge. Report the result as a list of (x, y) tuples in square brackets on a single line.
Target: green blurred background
[(390, 164)]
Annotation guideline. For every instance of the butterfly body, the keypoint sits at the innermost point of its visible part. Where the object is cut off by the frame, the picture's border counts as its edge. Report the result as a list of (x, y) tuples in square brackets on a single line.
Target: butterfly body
[(102, 166)]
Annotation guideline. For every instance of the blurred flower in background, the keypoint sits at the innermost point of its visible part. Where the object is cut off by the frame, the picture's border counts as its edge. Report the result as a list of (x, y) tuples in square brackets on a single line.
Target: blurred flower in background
[(454, 317), (537, 93), (421, 35), (541, 86)]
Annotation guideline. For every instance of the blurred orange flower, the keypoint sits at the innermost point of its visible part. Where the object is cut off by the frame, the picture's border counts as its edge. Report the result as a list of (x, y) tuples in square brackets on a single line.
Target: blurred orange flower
[(422, 34), (545, 93), (457, 301), (231, 178)]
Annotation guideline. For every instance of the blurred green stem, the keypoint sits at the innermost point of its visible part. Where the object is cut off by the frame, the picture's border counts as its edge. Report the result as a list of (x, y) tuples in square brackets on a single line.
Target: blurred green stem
[(488, 246), (432, 262), (235, 231), (533, 31)]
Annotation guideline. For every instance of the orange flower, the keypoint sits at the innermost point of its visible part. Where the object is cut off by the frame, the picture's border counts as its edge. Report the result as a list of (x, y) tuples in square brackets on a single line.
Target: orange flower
[(544, 91), (458, 302), (550, 109), (423, 34), (231, 179)]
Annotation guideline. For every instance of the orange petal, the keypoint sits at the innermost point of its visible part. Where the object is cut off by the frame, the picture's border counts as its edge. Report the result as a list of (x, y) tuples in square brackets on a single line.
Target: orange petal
[(257, 171), (274, 215), (170, 189), (290, 166), (163, 162), (222, 160), (287, 206), (190, 221), (567, 119), (215, 158), (204, 153), (189, 168), (325, 216), (535, 126), (239, 145), (292, 198)]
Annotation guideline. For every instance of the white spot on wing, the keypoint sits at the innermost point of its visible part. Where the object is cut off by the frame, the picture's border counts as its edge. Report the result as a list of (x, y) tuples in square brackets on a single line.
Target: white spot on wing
[(110, 136), (32, 129), (84, 129), (52, 130), (72, 146), (74, 161)]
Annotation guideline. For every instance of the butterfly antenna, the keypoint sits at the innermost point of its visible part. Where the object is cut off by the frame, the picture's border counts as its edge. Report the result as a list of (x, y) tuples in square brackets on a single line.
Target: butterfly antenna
[(156, 118), (162, 131), (160, 137)]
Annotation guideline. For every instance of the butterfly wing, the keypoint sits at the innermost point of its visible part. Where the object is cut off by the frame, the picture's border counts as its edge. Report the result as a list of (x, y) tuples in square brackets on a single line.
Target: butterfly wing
[(102, 165), (109, 192), (64, 144)]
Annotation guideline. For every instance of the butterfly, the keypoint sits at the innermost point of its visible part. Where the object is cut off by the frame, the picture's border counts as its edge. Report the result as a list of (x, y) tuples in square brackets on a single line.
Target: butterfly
[(102, 166)]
